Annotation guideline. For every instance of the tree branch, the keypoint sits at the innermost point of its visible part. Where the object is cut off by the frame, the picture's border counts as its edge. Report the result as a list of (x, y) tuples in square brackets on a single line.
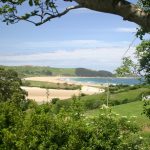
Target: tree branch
[(58, 15), (123, 8)]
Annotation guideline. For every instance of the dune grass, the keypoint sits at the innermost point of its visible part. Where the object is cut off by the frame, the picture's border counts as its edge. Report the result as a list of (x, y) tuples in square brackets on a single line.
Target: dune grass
[(50, 85)]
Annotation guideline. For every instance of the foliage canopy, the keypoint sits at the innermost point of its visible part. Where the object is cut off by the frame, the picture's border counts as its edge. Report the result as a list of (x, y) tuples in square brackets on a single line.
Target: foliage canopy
[(141, 67), (10, 86)]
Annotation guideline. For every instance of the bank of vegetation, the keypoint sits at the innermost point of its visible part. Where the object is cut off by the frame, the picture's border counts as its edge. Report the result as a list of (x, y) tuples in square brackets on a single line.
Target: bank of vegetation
[(68, 124), (50, 85)]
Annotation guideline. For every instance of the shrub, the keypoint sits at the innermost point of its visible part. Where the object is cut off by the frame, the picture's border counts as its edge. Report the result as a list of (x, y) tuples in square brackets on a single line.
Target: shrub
[(92, 104), (82, 94), (41, 128), (125, 101), (10, 89), (54, 100), (26, 83), (115, 102)]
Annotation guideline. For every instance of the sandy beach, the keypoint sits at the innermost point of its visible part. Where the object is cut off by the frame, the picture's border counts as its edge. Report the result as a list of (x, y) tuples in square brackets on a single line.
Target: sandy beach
[(39, 94)]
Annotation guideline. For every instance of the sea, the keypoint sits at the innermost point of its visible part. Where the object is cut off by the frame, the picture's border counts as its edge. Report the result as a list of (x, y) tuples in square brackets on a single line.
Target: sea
[(108, 80)]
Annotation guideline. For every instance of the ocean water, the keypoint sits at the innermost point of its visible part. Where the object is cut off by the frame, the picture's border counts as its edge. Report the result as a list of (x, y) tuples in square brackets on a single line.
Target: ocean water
[(105, 80)]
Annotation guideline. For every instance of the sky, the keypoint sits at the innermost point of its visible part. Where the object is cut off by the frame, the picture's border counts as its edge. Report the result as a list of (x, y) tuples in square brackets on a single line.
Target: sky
[(82, 38)]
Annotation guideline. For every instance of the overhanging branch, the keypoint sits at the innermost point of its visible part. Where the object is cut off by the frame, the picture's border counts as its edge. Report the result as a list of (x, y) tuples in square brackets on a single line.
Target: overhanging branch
[(51, 16)]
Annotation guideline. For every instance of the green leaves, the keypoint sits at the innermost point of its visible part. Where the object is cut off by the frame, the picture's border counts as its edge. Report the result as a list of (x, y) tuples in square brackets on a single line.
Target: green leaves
[(143, 57), (39, 127), (127, 68), (141, 67), (144, 4), (10, 10), (34, 2), (10, 87), (31, 2)]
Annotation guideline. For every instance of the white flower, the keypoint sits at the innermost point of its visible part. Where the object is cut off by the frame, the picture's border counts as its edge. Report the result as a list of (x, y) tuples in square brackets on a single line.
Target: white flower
[(104, 107), (141, 137)]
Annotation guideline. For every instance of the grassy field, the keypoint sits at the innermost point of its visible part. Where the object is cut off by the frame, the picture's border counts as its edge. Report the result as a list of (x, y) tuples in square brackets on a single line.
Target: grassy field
[(94, 101), (129, 109), (50, 85)]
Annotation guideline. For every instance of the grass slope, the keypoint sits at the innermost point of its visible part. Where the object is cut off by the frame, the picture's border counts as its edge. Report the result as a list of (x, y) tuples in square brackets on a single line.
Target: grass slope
[(94, 101), (129, 109)]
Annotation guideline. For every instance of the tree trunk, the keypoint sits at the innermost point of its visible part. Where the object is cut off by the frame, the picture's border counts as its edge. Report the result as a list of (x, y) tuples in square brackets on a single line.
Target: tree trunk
[(123, 8)]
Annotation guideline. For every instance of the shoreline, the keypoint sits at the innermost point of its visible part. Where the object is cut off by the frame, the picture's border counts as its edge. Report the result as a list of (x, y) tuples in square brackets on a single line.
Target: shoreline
[(66, 79), (39, 94)]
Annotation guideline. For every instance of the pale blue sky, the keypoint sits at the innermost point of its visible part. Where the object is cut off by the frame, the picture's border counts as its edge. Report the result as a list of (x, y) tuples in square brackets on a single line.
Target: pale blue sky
[(82, 38)]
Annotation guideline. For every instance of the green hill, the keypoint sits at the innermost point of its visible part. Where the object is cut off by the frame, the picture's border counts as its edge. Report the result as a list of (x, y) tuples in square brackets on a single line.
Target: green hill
[(92, 73), (27, 71)]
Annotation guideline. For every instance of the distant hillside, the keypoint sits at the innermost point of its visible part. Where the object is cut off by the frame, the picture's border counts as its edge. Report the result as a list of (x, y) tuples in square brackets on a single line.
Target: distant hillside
[(27, 71), (82, 72)]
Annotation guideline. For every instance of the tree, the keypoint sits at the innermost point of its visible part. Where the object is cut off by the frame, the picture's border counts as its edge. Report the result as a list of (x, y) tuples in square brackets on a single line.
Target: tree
[(10, 89), (141, 67), (128, 68), (46, 10), (143, 57)]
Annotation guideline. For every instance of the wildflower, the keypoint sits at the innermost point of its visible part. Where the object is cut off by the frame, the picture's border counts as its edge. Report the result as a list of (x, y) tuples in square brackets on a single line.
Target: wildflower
[(104, 107), (140, 137)]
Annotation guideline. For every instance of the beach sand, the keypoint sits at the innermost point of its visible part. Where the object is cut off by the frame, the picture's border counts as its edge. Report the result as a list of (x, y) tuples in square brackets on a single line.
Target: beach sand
[(39, 94)]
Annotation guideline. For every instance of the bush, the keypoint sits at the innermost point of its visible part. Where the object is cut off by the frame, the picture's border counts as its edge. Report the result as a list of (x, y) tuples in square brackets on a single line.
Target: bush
[(134, 87), (83, 94), (54, 100), (92, 104), (62, 105), (125, 101), (115, 102), (10, 89), (41, 128), (26, 83)]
